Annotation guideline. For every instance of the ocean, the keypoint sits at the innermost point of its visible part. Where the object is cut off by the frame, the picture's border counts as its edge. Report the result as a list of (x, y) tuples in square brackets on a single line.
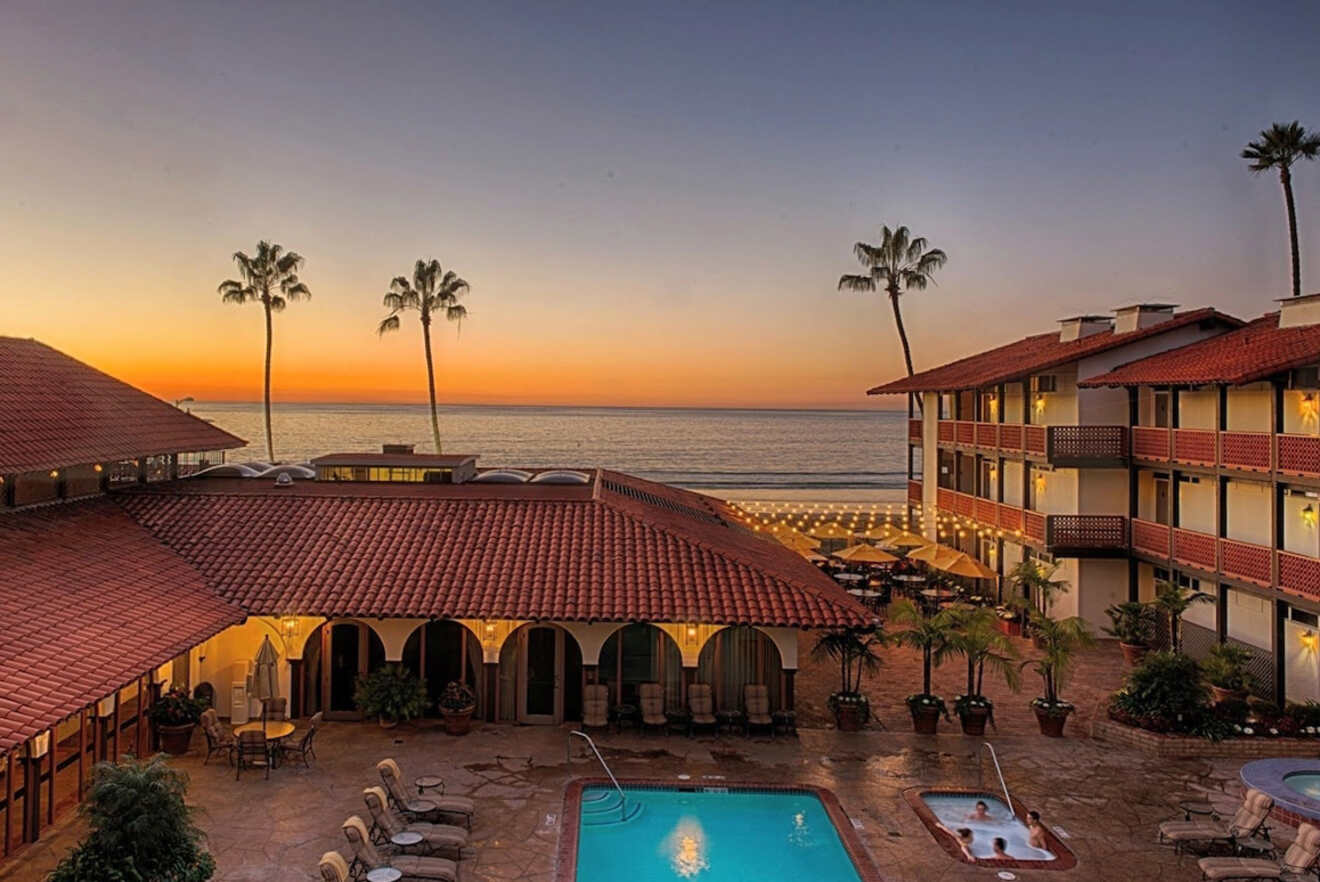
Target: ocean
[(771, 455)]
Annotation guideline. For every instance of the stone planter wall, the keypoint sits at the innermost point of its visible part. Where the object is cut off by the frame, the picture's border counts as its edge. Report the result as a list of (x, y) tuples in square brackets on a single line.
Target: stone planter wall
[(1155, 744)]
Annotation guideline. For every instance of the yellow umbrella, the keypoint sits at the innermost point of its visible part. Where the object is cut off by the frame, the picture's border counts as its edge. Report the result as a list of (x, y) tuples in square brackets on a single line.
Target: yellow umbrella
[(931, 552), (965, 565), (797, 542), (830, 530), (883, 531), (904, 539), (865, 554)]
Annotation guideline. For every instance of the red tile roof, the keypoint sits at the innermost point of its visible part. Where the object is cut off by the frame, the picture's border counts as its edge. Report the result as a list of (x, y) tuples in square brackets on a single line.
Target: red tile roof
[(1254, 352), (620, 549), (89, 601), (1037, 353), (56, 411)]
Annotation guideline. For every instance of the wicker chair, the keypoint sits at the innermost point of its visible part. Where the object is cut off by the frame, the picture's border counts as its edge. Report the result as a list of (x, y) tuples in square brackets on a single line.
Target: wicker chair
[(701, 704), (366, 858), (595, 706), (386, 824), (756, 703), (218, 741), (252, 753)]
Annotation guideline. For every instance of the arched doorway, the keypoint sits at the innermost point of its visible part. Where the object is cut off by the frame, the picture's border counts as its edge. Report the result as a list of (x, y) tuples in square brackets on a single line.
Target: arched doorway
[(637, 654), (441, 652), (336, 654), (735, 657), (540, 678)]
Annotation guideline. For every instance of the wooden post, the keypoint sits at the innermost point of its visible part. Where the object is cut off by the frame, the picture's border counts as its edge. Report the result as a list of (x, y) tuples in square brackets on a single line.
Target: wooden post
[(31, 795), (50, 782), (493, 690), (787, 702), (296, 709), (82, 753), (9, 803), (114, 722)]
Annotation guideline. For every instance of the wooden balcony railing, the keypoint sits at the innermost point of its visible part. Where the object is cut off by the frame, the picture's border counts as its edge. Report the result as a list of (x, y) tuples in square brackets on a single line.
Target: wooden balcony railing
[(1087, 532), (1033, 525), (987, 435), (944, 499), (1299, 574), (1195, 549), (914, 492), (1245, 450), (914, 431), (1245, 560), (1033, 439), (964, 504), (1087, 444), (1151, 442), (1297, 454), (1010, 436), (984, 510), (1010, 517), (1152, 538), (1194, 446), (944, 431), (965, 432)]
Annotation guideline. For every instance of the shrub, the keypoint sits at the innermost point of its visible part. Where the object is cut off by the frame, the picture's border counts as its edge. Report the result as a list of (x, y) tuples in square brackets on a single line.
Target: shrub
[(458, 698), (392, 692), (1165, 694), (1307, 716), (1132, 623), (176, 708), (1226, 667), (140, 828)]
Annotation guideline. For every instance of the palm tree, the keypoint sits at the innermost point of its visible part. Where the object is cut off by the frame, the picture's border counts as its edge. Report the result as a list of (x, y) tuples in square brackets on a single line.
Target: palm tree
[(1279, 146), (932, 635), (270, 277), (855, 651), (1060, 639), (898, 264), (982, 645), (1036, 579), (1173, 601), (433, 291)]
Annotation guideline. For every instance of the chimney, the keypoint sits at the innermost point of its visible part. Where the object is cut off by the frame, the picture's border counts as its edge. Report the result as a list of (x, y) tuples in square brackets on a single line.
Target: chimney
[(397, 448), (1080, 326), (1141, 315), (1295, 312)]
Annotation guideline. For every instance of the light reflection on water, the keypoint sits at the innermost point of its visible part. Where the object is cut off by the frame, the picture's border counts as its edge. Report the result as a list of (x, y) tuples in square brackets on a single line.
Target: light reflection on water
[(686, 846)]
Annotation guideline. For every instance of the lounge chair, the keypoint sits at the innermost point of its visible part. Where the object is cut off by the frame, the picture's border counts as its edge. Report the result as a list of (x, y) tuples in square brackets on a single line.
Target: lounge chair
[(1249, 820), (413, 808), (251, 753), (386, 824), (333, 867), (595, 706), (1301, 857), (651, 702), (756, 703), (218, 741), (304, 748), (366, 858), (701, 704)]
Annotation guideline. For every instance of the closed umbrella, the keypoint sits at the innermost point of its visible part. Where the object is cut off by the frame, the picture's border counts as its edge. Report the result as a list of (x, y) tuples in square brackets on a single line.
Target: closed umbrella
[(265, 675), (865, 554)]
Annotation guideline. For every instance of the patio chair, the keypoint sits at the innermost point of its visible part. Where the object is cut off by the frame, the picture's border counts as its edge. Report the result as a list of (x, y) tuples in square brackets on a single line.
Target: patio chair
[(651, 702), (595, 706), (701, 704), (275, 708), (218, 741), (333, 867), (413, 808), (366, 858), (1248, 821), (1302, 856), (251, 753), (304, 748), (386, 824), (756, 704)]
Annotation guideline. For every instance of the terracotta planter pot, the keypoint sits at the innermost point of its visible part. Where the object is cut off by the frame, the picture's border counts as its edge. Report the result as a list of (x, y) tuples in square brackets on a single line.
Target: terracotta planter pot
[(848, 717), (925, 720), (974, 720), (174, 739), (1051, 725), (1011, 627), (1133, 653), (459, 723), (1222, 695)]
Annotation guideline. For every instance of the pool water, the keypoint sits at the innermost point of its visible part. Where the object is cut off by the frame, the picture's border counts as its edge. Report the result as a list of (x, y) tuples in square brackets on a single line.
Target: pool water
[(953, 809), (733, 836), (1305, 783)]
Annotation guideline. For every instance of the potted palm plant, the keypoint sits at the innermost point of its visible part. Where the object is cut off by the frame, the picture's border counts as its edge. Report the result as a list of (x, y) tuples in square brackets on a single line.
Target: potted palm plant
[(1133, 624), (1060, 639), (932, 636), (1038, 587), (1226, 670), (854, 649), (457, 703), (1173, 600), (391, 693), (981, 644), (175, 714)]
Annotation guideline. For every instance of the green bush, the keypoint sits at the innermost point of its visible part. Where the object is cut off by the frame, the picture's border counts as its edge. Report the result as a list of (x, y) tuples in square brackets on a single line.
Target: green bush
[(391, 692), (141, 829), (1132, 623), (176, 708), (1226, 667), (1165, 694)]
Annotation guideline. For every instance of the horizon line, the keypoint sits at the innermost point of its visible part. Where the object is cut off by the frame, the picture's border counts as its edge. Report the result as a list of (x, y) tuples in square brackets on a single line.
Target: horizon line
[(822, 409)]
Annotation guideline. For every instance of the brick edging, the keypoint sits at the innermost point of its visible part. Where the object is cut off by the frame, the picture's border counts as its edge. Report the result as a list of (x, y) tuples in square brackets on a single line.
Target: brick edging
[(1064, 859), (1176, 746)]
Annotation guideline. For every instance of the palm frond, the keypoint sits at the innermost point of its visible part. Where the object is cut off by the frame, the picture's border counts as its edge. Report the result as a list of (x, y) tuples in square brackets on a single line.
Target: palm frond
[(387, 324), (856, 283)]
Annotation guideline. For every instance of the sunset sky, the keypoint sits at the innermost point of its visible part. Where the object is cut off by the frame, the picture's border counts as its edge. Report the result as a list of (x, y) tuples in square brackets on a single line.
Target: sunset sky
[(652, 204)]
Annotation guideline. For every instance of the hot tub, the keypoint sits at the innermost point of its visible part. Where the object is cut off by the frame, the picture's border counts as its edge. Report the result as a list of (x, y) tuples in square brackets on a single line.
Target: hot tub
[(949, 807), (1294, 784)]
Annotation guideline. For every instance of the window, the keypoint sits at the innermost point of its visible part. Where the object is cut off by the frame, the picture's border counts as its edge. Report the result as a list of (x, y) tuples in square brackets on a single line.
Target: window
[(1045, 383)]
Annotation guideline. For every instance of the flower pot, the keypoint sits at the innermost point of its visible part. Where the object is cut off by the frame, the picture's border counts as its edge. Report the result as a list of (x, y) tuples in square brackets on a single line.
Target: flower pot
[(925, 720), (458, 722), (848, 717), (974, 720), (1051, 723), (1222, 695), (174, 739), (1133, 653), (1011, 627)]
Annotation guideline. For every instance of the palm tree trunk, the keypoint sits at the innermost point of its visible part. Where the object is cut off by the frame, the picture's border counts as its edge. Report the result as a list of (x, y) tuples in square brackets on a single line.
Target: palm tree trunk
[(902, 332), (270, 442), (1285, 176), (430, 382), (925, 671)]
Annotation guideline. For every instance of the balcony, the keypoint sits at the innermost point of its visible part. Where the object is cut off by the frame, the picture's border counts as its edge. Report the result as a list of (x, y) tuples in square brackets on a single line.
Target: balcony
[(1033, 439), (1194, 446), (1152, 538), (1071, 535), (1299, 574), (1249, 451), (1010, 436), (1151, 442), (1033, 525), (1009, 517), (1297, 454), (914, 492), (964, 432), (1087, 445), (985, 510), (914, 431), (1196, 549), (944, 431), (1245, 560), (987, 435)]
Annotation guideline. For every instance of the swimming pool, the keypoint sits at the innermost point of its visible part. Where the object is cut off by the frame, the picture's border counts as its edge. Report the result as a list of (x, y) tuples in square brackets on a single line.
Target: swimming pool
[(952, 808), (713, 834)]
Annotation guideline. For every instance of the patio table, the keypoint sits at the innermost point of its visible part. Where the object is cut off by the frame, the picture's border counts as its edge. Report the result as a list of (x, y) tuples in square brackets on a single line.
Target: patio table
[(849, 577), (276, 730), (429, 782), (1191, 807), (406, 839), (384, 874)]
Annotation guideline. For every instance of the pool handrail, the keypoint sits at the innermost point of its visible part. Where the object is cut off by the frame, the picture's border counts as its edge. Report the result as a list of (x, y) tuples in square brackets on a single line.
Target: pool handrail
[(1000, 772), (623, 802)]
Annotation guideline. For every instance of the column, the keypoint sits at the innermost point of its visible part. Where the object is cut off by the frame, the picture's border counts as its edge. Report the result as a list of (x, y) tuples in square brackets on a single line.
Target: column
[(492, 690), (788, 688), (296, 710)]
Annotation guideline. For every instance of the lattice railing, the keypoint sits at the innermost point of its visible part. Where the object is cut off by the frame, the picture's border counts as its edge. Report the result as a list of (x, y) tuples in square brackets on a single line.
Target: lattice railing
[(1010, 517), (987, 435), (965, 432), (1196, 549), (1299, 574), (914, 431), (1033, 439), (964, 504), (1010, 436), (1245, 560), (1150, 442), (1087, 531), (1297, 454), (1245, 450), (1088, 442), (1194, 446), (944, 431), (1033, 525), (1151, 538), (984, 511), (914, 492), (1261, 668), (1197, 640)]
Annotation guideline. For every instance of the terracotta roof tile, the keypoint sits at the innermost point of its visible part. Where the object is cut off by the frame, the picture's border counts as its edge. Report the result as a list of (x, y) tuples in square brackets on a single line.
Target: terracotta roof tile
[(56, 411), (1037, 353), (90, 601)]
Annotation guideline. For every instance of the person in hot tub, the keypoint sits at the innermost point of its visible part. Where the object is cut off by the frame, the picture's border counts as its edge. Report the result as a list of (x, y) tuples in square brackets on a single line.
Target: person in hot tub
[(1035, 831), (1000, 846), (964, 837), (982, 812)]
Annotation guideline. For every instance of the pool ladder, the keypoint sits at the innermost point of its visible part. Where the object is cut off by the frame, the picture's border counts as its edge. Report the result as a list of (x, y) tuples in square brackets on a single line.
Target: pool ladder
[(986, 745), (623, 803)]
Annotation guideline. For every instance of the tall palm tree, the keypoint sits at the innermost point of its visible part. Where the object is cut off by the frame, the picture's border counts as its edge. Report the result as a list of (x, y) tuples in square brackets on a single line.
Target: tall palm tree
[(432, 291), (1279, 146), (898, 264), (269, 277)]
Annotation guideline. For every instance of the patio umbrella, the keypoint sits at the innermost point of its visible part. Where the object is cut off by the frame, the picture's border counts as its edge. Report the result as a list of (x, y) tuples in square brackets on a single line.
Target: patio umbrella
[(904, 539), (797, 541), (931, 552), (865, 554), (880, 531), (830, 530), (963, 564), (265, 675)]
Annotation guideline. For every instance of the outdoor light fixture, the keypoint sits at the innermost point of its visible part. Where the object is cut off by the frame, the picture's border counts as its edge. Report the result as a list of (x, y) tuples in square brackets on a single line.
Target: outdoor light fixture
[(290, 626), (1308, 515), (54, 473), (1310, 642), (1309, 406), (97, 467), (1040, 401)]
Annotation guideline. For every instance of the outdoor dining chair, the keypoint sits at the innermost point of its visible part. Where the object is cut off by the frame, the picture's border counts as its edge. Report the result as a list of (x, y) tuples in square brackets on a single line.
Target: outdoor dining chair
[(275, 708), (304, 748), (366, 858), (252, 753), (333, 867), (701, 704), (595, 706), (218, 741)]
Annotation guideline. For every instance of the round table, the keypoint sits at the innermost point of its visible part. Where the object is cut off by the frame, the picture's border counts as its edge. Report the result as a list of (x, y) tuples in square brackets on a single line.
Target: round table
[(1191, 807), (384, 874), (406, 839), (910, 577), (849, 577), (275, 729), (429, 782), (865, 593)]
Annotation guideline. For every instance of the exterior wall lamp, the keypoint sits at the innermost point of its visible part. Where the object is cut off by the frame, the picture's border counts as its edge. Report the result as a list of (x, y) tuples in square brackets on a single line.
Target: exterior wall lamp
[(1039, 402), (1309, 407), (1309, 515), (1309, 640)]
